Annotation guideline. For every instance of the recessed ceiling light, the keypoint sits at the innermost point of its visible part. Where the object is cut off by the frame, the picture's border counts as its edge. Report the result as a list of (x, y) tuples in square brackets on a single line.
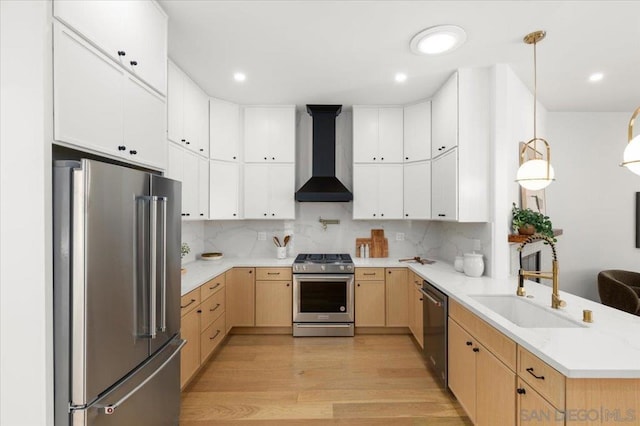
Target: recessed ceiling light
[(437, 40), (596, 76), (401, 77), (239, 76)]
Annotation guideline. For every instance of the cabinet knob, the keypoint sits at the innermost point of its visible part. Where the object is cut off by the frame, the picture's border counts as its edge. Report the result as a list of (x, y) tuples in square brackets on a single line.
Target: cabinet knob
[(234, 214), (374, 158), (374, 215), (273, 158), (234, 157), (273, 214), (122, 148), (406, 158), (406, 214), (382, 158), (441, 215), (121, 53), (265, 214), (201, 150), (521, 391), (382, 214), (288, 284), (188, 143), (469, 343), (133, 63), (183, 140), (476, 349), (182, 214), (358, 284), (250, 271), (201, 214), (421, 299), (133, 152), (188, 214), (265, 158), (199, 311)]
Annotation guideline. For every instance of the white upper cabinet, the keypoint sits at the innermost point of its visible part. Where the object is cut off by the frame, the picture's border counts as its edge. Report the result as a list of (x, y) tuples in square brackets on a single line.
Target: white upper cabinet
[(445, 117), (461, 118), (417, 132), (224, 190), (377, 191), (203, 188), (269, 134), (188, 112), (417, 190), (100, 108), (224, 130), (377, 134), (193, 172), (269, 191), (132, 33)]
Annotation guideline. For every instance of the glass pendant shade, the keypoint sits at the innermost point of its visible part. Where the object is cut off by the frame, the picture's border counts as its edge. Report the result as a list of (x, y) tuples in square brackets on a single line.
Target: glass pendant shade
[(532, 174), (631, 158)]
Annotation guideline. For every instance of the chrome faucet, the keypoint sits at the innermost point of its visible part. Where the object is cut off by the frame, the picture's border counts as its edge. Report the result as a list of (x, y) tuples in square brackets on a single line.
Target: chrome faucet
[(556, 302)]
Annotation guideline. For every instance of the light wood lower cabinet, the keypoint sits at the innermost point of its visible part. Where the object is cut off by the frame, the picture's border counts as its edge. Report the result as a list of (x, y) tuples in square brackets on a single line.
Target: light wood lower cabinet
[(241, 298), (202, 325), (533, 409), (274, 297), (484, 385), (369, 303), (414, 307), (397, 293)]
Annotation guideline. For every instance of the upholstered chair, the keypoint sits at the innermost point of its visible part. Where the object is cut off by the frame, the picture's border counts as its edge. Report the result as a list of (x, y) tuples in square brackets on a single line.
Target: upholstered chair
[(620, 289)]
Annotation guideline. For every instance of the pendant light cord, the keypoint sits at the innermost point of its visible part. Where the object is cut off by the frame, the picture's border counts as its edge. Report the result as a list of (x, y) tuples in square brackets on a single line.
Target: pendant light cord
[(535, 98)]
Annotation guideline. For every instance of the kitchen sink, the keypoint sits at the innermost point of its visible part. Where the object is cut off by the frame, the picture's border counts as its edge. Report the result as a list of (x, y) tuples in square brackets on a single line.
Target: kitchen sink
[(524, 313)]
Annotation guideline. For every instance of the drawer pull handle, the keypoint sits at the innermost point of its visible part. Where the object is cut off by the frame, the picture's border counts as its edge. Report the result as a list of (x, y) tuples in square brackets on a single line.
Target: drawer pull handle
[(476, 349), (530, 370), (215, 335), (369, 273), (521, 391), (469, 343), (213, 309), (192, 300), (215, 286), (273, 273)]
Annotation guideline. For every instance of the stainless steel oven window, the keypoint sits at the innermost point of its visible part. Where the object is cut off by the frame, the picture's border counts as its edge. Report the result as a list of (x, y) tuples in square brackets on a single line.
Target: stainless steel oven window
[(325, 297)]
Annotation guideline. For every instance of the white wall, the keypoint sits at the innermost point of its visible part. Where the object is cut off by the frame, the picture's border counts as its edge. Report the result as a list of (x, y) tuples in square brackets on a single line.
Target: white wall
[(592, 199), (26, 354)]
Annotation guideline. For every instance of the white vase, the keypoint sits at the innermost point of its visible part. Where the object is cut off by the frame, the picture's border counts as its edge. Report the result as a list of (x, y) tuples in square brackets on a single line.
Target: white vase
[(458, 264), (473, 264)]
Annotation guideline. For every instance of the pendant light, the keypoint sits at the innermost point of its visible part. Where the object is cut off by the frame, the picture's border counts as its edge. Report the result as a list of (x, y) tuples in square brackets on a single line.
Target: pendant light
[(537, 173), (631, 158)]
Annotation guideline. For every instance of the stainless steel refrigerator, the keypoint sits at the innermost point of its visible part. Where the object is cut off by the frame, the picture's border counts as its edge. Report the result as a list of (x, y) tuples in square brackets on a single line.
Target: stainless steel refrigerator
[(116, 295)]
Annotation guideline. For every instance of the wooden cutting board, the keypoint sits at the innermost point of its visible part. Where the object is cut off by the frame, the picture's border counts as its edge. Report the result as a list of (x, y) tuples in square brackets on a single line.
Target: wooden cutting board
[(378, 244)]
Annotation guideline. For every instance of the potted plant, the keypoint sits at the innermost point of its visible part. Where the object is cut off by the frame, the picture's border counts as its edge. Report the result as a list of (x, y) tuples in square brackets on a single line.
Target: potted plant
[(184, 250), (529, 222)]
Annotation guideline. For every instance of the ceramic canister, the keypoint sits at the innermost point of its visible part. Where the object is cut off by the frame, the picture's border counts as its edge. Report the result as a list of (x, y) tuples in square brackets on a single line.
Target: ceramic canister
[(473, 264), (458, 264)]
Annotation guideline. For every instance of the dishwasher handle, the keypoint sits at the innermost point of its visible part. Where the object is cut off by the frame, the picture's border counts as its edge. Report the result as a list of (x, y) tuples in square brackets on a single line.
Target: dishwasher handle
[(436, 302)]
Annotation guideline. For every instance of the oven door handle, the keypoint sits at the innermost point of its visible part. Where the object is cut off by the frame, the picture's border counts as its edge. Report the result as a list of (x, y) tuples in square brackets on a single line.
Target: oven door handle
[(323, 325), (431, 298)]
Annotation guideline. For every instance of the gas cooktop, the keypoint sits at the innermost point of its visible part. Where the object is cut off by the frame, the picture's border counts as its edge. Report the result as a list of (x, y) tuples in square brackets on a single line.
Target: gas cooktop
[(323, 263)]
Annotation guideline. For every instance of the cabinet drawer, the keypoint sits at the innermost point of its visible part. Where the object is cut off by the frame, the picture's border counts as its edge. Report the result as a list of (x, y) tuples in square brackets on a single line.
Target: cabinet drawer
[(499, 344), (212, 308), (545, 379), (369, 274), (211, 337), (212, 286), (189, 301), (275, 274)]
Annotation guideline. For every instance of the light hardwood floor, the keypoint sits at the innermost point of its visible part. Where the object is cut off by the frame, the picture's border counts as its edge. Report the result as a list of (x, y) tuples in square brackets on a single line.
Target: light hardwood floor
[(278, 380)]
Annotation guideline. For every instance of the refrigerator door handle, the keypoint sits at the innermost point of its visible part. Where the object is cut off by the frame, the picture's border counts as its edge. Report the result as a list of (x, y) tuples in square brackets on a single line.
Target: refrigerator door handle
[(111, 408), (153, 264), (163, 267)]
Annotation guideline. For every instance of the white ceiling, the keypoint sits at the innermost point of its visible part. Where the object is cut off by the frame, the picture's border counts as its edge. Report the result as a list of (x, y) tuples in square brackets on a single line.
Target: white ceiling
[(347, 52)]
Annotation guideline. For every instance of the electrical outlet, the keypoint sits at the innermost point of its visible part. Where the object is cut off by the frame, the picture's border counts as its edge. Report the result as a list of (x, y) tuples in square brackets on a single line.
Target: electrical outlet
[(262, 236), (399, 236)]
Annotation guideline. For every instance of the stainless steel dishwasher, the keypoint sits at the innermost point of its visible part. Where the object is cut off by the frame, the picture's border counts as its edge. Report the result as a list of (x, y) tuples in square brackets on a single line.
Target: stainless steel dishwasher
[(434, 318)]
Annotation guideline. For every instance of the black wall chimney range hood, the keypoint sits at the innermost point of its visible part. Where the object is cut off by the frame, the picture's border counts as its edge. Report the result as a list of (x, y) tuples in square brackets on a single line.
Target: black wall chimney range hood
[(324, 186)]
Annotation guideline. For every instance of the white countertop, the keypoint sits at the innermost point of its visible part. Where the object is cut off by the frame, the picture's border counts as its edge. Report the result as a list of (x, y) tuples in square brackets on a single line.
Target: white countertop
[(607, 348)]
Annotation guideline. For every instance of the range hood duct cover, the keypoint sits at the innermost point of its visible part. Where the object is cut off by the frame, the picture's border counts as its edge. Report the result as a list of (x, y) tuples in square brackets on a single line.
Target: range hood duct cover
[(324, 186)]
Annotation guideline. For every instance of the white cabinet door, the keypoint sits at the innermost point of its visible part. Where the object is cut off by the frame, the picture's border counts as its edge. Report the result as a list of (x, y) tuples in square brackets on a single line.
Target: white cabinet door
[(191, 115), (269, 191), (417, 190), (269, 134), (417, 132), (281, 191), (365, 134), (203, 188), (132, 33), (256, 191), (99, 21), (175, 103), (145, 32), (224, 130), (174, 163), (202, 124), (224, 190), (444, 123), (87, 97), (390, 135), (144, 125), (390, 192), (365, 191), (190, 177), (282, 134), (445, 187)]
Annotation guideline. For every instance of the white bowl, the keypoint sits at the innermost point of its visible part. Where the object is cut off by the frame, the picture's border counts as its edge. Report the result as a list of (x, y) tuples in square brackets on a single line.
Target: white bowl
[(211, 256)]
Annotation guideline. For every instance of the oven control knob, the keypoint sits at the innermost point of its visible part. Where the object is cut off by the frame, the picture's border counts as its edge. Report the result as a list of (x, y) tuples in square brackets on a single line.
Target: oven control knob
[(349, 267), (304, 267), (322, 267), (342, 267)]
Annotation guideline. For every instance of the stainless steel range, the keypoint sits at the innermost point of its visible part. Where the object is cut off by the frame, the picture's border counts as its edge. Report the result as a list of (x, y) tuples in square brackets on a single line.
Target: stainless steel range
[(323, 289)]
